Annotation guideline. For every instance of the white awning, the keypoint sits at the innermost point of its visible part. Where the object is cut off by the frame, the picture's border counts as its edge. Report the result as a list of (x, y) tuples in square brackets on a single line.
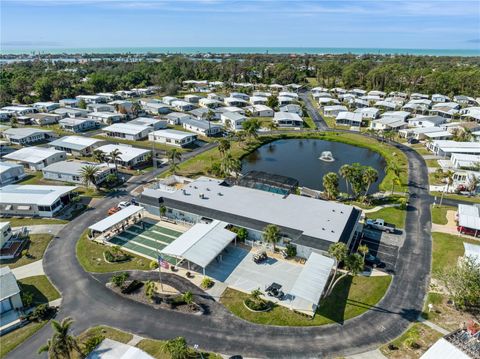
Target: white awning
[(115, 218), (472, 250), (23, 208), (201, 243), (311, 282)]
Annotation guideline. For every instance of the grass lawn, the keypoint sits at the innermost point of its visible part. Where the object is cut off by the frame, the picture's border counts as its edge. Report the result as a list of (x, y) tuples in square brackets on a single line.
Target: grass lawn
[(36, 247), (309, 122), (434, 179), (90, 256), (40, 287), (141, 143), (11, 340), (154, 348), (107, 332), (446, 250), (421, 336), (19, 222), (432, 163), (439, 214), (393, 215), (420, 148), (459, 197), (443, 313), (350, 298), (330, 121)]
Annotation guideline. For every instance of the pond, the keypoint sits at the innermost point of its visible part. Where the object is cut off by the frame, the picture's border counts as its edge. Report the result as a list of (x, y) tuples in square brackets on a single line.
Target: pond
[(299, 158)]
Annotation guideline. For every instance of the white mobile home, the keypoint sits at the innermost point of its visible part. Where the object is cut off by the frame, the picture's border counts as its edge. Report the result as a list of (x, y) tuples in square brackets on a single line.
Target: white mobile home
[(176, 118), (10, 173), (349, 118), (172, 137), (154, 123), (70, 171), (333, 111), (42, 119), (202, 127), (260, 111), (92, 98), (34, 200), (232, 120), (294, 108), (128, 131), (27, 136), (287, 119), (76, 145), (129, 156), (156, 108), (106, 117), (46, 106), (19, 110), (35, 158), (368, 113), (71, 112), (180, 105), (76, 125)]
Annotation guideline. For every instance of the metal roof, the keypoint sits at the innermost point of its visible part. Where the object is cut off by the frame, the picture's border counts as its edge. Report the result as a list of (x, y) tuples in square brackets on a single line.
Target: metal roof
[(74, 167), (24, 132), (469, 216), (178, 135), (8, 284), (111, 349), (127, 153), (313, 278), (443, 349), (33, 194), (472, 250), (115, 218), (75, 142), (127, 128), (202, 243), (33, 154)]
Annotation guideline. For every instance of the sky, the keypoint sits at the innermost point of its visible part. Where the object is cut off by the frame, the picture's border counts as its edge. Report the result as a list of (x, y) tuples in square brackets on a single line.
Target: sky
[(409, 24)]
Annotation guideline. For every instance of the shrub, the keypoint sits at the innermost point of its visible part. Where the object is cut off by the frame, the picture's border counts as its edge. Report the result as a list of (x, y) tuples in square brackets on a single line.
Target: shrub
[(42, 312), (206, 283), (291, 250), (149, 289), (115, 255), (153, 265), (27, 299), (403, 204), (187, 297), (119, 279), (242, 234), (91, 343)]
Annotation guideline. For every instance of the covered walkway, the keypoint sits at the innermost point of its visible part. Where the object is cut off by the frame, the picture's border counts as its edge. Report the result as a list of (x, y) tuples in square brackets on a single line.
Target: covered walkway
[(201, 244), (311, 283), (116, 222)]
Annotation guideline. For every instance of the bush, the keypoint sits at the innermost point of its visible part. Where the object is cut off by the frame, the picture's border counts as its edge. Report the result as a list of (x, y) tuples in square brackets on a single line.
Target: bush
[(119, 279), (42, 312), (257, 304), (91, 343), (403, 204), (115, 256), (206, 283), (291, 250), (27, 299), (153, 265)]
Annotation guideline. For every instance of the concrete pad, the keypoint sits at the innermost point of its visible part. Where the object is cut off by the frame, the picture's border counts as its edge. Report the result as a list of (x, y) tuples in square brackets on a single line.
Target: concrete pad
[(29, 270), (373, 354), (238, 270)]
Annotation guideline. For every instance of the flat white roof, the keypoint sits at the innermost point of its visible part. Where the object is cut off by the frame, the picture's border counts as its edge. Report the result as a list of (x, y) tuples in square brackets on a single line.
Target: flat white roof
[(75, 142), (115, 218), (111, 349), (32, 194), (174, 134), (127, 153), (443, 349), (127, 128), (202, 243), (289, 116), (5, 166), (469, 216), (312, 280), (472, 250), (8, 283), (32, 154), (24, 132)]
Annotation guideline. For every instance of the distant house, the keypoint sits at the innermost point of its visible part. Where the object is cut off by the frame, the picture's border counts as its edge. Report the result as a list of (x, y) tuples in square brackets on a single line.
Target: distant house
[(260, 111), (202, 127), (19, 110), (418, 96), (235, 101), (100, 107), (69, 102), (440, 98), (77, 125), (232, 120), (92, 98), (156, 108), (349, 119), (10, 299), (43, 119), (10, 173), (106, 117), (421, 133), (71, 112), (294, 108), (129, 156), (287, 119), (400, 115), (368, 113), (210, 103), (176, 118), (76, 145), (426, 121), (35, 158), (128, 131), (239, 95), (34, 200), (27, 136), (258, 100), (169, 99), (180, 105), (154, 123), (465, 100), (386, 105), (333, 111), (70, 171), (172, 137), (46, 106), (388, 123), (445, 148), (192, 98), (285, 100)]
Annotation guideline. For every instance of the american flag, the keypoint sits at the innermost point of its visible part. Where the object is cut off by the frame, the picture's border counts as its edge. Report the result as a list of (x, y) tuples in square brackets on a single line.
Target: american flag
[(163, 263)]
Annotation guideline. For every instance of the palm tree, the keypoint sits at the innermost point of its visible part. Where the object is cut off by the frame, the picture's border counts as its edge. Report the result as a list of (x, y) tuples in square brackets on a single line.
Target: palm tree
[(472, 183), (173, 156), (88, 174), (339, 252), (394, 168), (230, 164), (62, 344), (330, 185), (114, 157), (224, 146), (353, 264), (271, 234), (272, 126), (99, 156), (251, 127), (363, 250), (177, 348), (345, 171), (136, 108), (370, 176), (448, 176)]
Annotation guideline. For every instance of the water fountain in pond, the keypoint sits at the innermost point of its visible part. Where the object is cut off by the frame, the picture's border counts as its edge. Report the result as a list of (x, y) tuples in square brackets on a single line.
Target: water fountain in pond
[(326, 156)]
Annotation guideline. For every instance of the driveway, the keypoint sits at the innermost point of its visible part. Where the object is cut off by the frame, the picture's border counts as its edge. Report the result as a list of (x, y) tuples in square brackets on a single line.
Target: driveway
[(90, 303)]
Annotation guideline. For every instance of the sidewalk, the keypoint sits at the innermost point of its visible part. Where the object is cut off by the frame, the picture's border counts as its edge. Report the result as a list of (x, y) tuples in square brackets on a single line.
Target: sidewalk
[(373, 354), (44, 228), (29, 270)]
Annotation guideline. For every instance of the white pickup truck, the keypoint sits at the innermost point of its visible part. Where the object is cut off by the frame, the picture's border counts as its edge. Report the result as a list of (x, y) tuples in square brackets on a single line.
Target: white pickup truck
[(380, 224)]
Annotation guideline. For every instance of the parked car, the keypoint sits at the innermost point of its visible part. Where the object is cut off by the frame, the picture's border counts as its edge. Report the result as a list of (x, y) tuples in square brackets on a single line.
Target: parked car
[(412, 141), (380, 224), (124, 204), (113, 210), (273, 290), (468, 231), (372, 261)]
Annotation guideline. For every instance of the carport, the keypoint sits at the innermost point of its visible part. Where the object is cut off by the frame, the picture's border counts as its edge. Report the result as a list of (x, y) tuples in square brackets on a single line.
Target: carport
[(201, 244), (311, 283), (115, 222)]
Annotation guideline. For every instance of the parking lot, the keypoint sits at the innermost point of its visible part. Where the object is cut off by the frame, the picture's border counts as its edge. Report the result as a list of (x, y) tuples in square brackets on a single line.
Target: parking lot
[(239, 271), (384, 246)]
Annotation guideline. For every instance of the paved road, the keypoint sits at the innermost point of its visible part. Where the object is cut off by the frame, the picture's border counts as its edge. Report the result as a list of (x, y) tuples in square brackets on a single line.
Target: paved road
[(312, 111), (90, 303)]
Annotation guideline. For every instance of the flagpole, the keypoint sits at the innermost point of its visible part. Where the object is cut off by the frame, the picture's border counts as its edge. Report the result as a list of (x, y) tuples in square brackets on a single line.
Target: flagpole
[(159, 260)]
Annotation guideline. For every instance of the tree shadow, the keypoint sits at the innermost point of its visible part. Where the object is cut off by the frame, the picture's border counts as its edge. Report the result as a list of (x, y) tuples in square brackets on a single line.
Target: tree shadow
[(38, 296), (333, 306)]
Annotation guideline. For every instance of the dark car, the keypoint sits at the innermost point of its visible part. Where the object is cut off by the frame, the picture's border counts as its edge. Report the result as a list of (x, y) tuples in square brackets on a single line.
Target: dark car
[(372, 261), (412, 141)]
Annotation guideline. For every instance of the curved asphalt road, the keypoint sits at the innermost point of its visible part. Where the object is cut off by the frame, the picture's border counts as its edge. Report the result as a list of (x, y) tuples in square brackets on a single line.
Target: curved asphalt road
[(90, 303)]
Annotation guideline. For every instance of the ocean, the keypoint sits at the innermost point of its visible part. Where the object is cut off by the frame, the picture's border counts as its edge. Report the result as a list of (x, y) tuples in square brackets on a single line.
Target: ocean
[(242, 50)]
